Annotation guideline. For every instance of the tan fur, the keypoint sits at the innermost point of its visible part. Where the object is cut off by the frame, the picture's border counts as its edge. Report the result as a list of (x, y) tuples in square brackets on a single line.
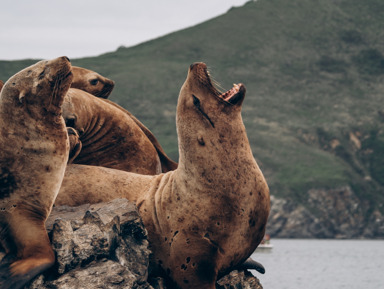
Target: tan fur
[(110, 137), (33, 155), (208, 215), (1, 84), (166, 163), (91, 82)]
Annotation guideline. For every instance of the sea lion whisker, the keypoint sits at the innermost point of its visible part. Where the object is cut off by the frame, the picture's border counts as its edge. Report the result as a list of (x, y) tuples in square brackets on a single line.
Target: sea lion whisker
[(218, 86)]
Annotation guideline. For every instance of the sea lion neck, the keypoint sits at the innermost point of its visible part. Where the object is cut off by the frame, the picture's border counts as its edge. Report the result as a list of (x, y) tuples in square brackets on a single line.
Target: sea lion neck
[(77, 103), (211, 134)]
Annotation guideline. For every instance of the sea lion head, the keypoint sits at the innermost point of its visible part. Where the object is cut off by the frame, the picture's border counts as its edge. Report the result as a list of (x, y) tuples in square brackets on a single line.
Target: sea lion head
[(41, 86), (203, 113), (92, 82)]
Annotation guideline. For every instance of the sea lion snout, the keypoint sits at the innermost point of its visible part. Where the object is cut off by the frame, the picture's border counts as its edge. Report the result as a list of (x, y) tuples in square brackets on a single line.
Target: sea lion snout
[(195, 65)]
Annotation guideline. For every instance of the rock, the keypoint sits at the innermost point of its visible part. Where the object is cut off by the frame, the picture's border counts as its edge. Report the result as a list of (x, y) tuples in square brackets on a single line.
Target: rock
[(105, 246), (237, 280), (97, 246), (105, 274), (333, 213)]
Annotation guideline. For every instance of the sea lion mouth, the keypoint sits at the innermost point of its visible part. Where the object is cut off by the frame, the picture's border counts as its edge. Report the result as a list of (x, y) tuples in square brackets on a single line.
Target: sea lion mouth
[(233, 96)]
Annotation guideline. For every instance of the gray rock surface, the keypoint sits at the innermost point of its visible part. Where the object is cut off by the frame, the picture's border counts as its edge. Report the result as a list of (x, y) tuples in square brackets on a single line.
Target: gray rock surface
[(105, 246), (237, 280), (335, 213), (97, 246)]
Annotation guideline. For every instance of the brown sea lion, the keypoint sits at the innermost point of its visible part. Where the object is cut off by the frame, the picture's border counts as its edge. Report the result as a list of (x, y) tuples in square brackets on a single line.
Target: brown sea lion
[(209, 214), (110, 137), (166, 163), (33, 156), (91, 82)]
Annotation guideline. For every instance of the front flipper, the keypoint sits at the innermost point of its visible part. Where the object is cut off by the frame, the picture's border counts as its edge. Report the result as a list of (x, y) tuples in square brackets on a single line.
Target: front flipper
[(251, 264), (17, 274), (75, 144)]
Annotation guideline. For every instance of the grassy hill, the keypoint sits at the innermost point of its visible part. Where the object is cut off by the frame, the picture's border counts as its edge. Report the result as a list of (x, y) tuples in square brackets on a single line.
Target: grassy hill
[(314, 74)]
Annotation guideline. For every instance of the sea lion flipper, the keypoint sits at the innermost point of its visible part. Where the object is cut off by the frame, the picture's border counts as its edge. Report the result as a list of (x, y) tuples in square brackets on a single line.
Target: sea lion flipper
[(26, 231), (75, 144), (251, 264), (16, 281)]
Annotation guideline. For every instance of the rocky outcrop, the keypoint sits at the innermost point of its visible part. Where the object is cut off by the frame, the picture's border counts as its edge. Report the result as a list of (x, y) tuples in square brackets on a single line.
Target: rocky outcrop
[(336, 213), (237, 280), (105, 246)]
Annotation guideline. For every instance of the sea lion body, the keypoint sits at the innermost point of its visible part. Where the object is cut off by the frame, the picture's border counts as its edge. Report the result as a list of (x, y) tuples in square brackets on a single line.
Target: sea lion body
[(92, 82), (33, 156), (167, 164), (209, 214), (109, 135)]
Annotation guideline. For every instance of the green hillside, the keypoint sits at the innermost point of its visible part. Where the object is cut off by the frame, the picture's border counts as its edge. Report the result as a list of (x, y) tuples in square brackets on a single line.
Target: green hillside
[(314, 74)]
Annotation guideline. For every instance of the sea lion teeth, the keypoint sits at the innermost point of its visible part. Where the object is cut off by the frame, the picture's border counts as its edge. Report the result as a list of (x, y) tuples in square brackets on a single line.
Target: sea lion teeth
[(230, 96)]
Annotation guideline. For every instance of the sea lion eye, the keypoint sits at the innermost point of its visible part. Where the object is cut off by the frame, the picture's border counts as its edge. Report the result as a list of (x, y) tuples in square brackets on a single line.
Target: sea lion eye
[(94, 81), (196, 101), (41, 75)]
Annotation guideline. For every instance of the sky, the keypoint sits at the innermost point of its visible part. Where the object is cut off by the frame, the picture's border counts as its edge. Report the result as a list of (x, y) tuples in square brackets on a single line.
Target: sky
[(44, 29)]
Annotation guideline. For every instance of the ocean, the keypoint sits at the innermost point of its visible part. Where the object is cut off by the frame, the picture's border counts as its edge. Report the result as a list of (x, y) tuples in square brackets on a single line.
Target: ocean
[(322, 264)]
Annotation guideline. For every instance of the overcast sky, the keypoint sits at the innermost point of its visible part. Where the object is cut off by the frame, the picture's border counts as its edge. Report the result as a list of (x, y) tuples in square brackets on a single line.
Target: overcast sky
[(79, 28)]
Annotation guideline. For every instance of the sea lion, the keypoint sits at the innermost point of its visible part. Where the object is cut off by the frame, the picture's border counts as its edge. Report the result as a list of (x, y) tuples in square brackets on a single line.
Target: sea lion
[(110, 137), (33, 156), (209, 214), (91, 82), (166, 163)]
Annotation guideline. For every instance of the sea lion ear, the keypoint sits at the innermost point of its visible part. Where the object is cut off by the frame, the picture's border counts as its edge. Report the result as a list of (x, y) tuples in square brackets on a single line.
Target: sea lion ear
[(22, 96)]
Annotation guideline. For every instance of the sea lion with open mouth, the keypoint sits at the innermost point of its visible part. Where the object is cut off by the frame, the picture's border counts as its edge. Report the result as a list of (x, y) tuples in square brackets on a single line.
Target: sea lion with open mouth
[(91, 82), (33, 155), (207, 216)]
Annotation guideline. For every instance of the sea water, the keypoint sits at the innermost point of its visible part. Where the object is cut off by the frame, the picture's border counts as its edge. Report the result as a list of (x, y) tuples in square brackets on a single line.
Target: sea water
[(322, 264)]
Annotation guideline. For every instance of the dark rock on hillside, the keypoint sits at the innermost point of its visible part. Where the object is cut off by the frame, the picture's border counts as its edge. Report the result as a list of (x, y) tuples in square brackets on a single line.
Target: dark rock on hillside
[(105, 246), (336, 213)]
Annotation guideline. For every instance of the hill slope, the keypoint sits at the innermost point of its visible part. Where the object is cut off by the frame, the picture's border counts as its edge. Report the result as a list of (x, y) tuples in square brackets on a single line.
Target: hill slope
[(314, 74)]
